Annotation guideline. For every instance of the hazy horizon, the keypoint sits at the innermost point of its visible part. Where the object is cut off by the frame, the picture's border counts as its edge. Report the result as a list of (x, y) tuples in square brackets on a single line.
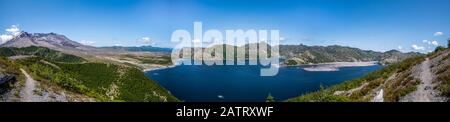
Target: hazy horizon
[(381, 25)]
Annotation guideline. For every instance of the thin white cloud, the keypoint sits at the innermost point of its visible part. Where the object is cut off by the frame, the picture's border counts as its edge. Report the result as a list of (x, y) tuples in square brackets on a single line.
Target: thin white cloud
[(145, 40), (5, 38), (10, 34), (196, 41), (415, 47), (435, 43), (282, 38), (13, 30), (400, 47), (426, 42), (84, 42), (438, 34), (263, 39), (117, 44)]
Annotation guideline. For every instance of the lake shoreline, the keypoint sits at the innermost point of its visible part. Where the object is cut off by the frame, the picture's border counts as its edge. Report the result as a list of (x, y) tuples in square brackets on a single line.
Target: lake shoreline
[(200, 83), (333, 66), (158, 68), (328, 66)]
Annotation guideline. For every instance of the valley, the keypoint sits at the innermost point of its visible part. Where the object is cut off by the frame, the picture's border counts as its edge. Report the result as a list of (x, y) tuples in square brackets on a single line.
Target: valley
[(68, 71), (416, 79), (51, 67)]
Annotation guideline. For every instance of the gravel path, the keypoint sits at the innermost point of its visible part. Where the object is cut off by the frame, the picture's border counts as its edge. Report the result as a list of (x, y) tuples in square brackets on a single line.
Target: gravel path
[(424, 91), (31, 93), (27, 93)]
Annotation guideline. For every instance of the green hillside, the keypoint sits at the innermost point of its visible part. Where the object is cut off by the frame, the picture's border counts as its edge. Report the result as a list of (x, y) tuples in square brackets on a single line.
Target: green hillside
[(103, 81), (302, 54), (45, 53), (397, 80)]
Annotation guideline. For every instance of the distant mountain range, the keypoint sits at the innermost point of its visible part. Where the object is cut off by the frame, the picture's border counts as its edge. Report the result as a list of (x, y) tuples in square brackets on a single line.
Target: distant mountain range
[(291, 54), (112, 73), (49, 40), (66, 70), (424, 78), (302, 54), (140, 49), (62, 43)]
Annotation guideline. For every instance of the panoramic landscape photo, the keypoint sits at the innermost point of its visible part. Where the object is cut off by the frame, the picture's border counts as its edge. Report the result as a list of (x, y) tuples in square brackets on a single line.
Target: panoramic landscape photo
[(224, 51)]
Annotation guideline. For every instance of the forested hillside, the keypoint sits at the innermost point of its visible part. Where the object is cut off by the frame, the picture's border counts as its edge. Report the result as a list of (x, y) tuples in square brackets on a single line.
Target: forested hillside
[(102, 81)]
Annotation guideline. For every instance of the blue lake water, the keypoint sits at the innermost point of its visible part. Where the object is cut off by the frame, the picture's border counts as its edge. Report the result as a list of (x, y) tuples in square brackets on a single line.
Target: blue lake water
[(244, 83)]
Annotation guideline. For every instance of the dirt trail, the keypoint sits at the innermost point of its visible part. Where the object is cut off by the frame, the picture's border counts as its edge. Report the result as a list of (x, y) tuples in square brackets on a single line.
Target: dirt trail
[(424, 91), (32, 93), (27, 93)]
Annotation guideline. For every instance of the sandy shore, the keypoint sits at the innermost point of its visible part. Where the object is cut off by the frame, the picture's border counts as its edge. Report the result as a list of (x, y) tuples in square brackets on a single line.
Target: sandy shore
[(334, 66), (158, 68), (331, 66)]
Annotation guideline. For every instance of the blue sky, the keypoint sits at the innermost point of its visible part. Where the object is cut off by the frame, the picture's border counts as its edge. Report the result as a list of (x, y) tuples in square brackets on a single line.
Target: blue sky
[(368, 24)]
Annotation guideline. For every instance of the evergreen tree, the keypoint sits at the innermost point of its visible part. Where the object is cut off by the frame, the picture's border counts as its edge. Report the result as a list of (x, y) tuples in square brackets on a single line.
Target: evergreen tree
[(448, 43), (270, 98)]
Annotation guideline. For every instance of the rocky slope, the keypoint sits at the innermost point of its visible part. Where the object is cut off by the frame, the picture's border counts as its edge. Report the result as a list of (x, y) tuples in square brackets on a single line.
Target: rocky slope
[(393, 56), (291, 54), (302, 54), (417, 79), (140, 49), (55, 76), (49, 40)]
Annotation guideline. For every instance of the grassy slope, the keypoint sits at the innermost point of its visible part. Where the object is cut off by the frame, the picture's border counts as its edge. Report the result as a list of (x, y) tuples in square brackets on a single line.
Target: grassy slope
[(301, 54), (402, 84), (160, 60), (46, 53), (12, 68), (373, 79), (443, 72), (132, 84)]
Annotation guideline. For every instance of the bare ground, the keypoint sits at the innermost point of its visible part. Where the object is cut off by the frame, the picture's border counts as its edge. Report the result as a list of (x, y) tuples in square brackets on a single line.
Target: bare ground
[(424, 91), (30, 92)]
